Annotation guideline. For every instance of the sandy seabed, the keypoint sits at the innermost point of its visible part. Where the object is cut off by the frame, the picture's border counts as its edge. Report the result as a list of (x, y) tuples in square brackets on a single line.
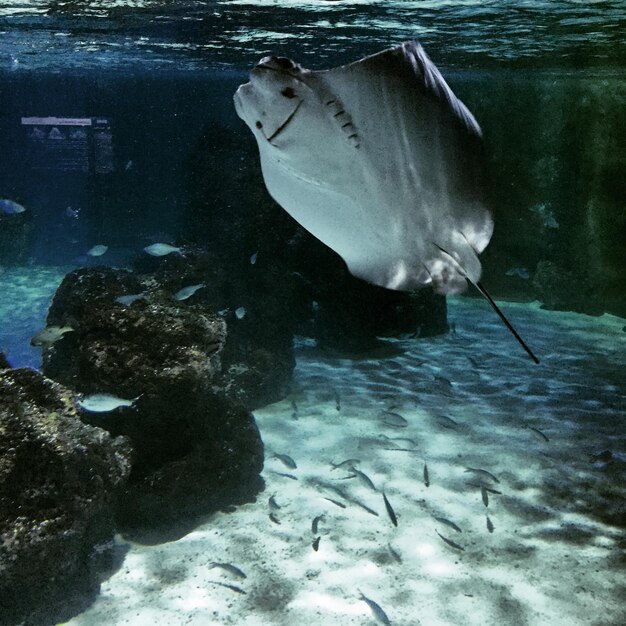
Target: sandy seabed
[(551, 435)]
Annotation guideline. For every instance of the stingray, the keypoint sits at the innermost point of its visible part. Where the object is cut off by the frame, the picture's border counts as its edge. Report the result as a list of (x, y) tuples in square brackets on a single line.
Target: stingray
[(380, 161)]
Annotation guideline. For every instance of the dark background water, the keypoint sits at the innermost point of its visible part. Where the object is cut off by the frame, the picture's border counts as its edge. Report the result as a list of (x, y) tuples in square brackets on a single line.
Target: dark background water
[(546, 80)]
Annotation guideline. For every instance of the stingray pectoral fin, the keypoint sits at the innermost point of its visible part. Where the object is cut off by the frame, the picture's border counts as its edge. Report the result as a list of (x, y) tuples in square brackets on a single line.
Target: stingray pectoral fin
[(508, 324)]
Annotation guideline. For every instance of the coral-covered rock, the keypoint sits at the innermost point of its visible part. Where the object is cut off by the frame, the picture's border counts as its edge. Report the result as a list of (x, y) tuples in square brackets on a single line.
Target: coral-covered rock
[(16, 237), (195, 449), (58, 479), (561, 290)]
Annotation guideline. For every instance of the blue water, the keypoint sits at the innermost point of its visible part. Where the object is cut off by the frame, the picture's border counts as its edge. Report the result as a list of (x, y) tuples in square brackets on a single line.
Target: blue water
[(193, 36)]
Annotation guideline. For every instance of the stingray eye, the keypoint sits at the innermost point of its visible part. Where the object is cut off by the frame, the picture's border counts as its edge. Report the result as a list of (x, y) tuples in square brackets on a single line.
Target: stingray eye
[(258, 124), (288, 92)]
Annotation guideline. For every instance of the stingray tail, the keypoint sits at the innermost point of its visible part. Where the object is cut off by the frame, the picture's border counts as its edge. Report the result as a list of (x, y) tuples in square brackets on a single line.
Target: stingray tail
[(501, 315)]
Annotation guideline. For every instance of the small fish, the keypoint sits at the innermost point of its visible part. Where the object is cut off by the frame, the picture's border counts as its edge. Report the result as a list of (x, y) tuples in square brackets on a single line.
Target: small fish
[(187, 292), (484, 495), (347, 463), (240, 312), (426, 477), (337, 400), (390, 418), (128, 300), (104, 402), (223, 312), (129, 165), (364, 478), (98, 250), (485, 487), (482, 472), (551, 222), (286, 460), (161, 249), (253, 258), (446, 382), (396, 555), (273, 504), (390, 511), (447, 422), (408, 440), (274, 519), (227, 585), (451, 543), (228, 567), (9, 207), (316, 544), (315, 523), (285, 475), (341, 505), (490, 526), (540, 433), (49, 335), (71, 213), (363, 506), (294, 408), (447, 522), (375, 608), (521, 272)]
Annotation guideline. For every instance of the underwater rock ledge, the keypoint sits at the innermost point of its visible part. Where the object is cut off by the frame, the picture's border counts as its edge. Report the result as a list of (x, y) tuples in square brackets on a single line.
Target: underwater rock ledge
[(196, 448), (58, 479)]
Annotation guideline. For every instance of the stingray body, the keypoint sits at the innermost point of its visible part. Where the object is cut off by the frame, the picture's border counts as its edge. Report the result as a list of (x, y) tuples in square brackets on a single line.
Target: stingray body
[(379, 160)]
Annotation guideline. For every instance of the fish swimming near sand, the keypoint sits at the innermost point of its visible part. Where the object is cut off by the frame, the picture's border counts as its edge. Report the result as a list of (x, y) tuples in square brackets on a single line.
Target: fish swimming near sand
[(230, 568), (452, 544), (49, 335), (316, 543), (390, 511), (376, 609), (286, 460), (447, 522), (380, 161), (9, 207), (315, 523), (104, 402), (161, 249)]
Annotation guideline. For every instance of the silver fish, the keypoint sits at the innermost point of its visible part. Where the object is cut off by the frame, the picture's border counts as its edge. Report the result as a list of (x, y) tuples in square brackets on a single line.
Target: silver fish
[(240, 312), (315, 523), (161, 249), (376, 609), (364, 478), (447, 522), (451, 543), (253, 258), (9, 207), (482, 472), (286, 460), (49, 335), (97, 250), (187, 292), (390, 511), (129, 299), (396, 420), (230, 568), (104, 402)]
